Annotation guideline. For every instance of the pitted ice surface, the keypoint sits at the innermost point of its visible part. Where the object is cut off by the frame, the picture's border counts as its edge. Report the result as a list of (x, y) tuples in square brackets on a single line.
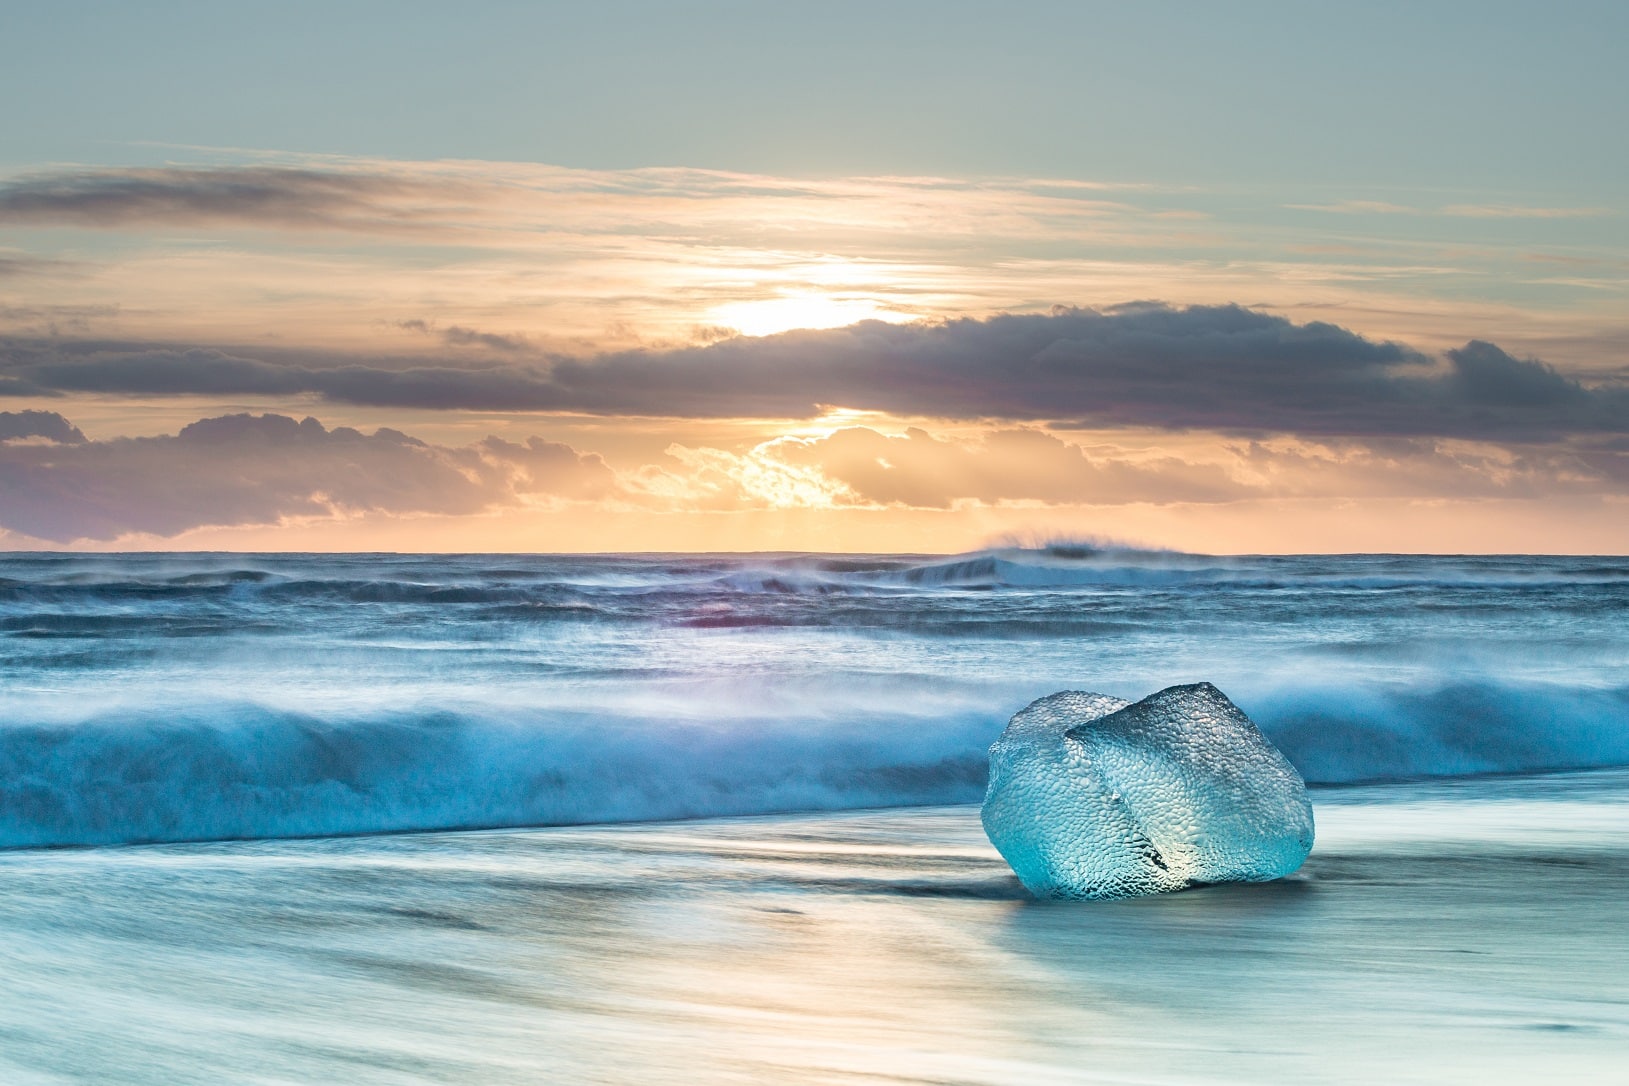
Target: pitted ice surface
[(1091, 796)]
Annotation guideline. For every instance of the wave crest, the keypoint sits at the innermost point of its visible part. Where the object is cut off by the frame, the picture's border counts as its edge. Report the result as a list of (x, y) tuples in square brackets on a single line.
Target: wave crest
[(236, 770)]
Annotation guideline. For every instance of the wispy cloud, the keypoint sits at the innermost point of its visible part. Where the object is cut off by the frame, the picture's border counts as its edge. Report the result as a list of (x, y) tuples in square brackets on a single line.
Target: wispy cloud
[(499, 256), (263, 197), (17, 265), (1516, 211), (369, 195), (458, 336), (1463, 211), (1359, 207), (919, 470)]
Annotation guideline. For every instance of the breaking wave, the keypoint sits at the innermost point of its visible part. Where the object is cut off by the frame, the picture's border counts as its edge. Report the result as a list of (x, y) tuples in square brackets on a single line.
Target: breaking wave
[(232, 770), (170, 697), (229, 770)]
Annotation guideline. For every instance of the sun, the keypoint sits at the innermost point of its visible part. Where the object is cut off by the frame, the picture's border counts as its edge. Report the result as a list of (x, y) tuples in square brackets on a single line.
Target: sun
[(768, 316)]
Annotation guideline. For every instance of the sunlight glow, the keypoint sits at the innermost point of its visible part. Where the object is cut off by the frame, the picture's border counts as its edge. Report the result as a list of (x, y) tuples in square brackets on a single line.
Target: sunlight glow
[(770, 316)]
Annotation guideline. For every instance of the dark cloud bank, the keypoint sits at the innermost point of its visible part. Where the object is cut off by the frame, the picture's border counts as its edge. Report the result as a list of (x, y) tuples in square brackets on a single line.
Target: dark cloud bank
[(1383, 410), (47, 425), (247, 469), (1221, 368)]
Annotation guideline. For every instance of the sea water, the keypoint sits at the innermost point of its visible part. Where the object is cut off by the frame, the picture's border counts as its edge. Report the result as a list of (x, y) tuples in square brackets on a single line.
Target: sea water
[(1465, 930)]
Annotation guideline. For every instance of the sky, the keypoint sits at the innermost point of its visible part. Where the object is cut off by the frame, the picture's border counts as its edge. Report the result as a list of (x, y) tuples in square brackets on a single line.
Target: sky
[(1257, 277)]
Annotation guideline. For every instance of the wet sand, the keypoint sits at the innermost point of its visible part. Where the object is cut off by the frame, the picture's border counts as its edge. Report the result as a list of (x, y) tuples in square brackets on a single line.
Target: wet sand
[(1466, 932)]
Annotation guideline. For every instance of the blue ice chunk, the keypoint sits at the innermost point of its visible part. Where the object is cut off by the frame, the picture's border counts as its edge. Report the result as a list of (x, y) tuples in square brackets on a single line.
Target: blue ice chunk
[(1091, 796)]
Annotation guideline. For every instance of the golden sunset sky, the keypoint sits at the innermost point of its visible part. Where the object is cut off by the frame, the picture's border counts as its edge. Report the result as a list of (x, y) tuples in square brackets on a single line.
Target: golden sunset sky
[(524, 282)]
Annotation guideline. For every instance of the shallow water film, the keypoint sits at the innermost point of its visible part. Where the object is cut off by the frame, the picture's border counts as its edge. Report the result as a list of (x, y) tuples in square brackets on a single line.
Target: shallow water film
[(1465, 932)]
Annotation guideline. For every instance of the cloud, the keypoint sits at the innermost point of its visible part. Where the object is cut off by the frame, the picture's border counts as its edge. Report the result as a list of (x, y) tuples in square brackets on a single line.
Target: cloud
[(594, 261), (195, 371), (248, 469), (1359, 207), (266, 197), (862, 467), (1516, 211), (241, 470), (1461, 211), (1425, 469), (1215, 368), (920, 470), (17, 386), (459, 336), (15, 267), (48, 425)]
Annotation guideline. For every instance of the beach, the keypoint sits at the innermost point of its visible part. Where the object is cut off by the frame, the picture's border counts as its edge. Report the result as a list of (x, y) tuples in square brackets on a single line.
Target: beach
[(720, 544), (1467, 931)]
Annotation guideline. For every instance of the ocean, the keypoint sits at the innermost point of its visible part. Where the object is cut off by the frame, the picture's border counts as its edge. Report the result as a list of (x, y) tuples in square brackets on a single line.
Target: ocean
[(409, 818)]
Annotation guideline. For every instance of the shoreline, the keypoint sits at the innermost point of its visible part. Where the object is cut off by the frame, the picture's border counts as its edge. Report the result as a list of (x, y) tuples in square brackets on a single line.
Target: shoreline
[(838, 947)]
